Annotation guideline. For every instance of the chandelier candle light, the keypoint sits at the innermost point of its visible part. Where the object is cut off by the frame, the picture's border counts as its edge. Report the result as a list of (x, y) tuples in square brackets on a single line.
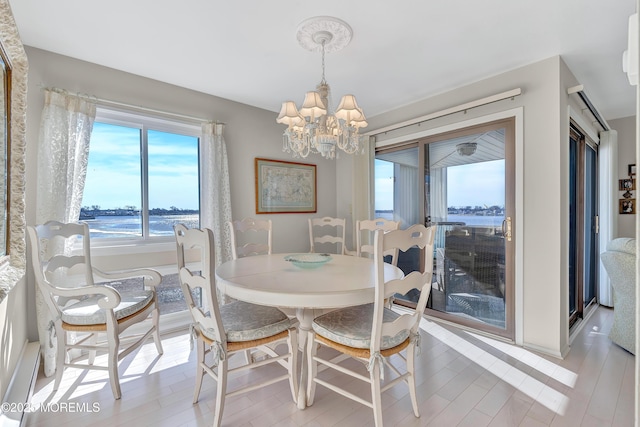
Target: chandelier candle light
[(314, 128)]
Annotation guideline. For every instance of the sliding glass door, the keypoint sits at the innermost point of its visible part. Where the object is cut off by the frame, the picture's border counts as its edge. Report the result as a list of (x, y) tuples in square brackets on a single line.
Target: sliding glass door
[(462, 182), (583, 223)]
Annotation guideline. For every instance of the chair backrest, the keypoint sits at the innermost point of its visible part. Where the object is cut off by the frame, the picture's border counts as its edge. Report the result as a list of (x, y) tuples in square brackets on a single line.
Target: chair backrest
[(327, 230), (619, 261), (200, 280), (416, 235), (245, 245), (363, 246), (53, 263)]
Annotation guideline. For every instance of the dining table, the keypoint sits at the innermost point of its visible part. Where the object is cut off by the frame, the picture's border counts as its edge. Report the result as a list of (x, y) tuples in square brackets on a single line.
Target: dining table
[(272, 280)]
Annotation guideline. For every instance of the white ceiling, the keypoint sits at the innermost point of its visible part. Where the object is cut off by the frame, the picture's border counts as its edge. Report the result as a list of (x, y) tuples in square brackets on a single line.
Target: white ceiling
[(402, 51)]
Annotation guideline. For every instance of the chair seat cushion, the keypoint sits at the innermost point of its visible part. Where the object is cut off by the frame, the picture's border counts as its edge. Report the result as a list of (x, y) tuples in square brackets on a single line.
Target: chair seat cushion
[(351, 326), (87, 311), (244, 321)]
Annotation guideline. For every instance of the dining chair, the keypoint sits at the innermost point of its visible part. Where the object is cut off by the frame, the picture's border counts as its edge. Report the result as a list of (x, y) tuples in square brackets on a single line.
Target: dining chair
[(77, 304), (368, 226), (221, 331), (371, 333), (245, 237), (327, 231)]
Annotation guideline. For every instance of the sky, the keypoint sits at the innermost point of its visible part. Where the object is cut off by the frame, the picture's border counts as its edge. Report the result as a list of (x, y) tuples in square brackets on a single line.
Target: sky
[(113, 172), (475, 184)]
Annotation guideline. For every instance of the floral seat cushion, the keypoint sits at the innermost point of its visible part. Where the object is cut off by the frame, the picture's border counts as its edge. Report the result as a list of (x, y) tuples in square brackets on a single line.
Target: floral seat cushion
[(351, 326), (244, 321), (87, 311)]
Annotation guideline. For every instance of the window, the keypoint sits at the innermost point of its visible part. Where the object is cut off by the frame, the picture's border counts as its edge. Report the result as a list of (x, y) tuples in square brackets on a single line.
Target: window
[(142, 177)]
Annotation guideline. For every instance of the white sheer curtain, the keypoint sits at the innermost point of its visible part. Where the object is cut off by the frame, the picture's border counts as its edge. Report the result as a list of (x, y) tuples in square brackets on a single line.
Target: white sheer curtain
[(63, 153), (608, 169), (405, 203), (361, 190), (216, 193), (438, 188)]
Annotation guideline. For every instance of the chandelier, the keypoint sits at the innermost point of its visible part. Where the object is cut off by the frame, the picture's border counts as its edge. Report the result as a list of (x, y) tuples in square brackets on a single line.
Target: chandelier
[(315, 128)]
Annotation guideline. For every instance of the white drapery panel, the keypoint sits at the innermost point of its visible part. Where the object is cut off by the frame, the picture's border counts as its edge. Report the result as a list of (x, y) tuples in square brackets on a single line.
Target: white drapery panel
[(216, 192), (608, 181), (405, 200), (361, 192), (438, 194), (63, 153)]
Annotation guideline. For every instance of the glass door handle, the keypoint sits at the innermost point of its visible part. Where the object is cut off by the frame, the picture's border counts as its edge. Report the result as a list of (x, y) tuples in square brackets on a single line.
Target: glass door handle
[(506, 228)]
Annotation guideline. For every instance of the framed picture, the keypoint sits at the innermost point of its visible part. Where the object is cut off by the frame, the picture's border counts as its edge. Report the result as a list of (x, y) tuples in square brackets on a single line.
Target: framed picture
[(632, 170), (627, 206), (626, 184), (285, 187)]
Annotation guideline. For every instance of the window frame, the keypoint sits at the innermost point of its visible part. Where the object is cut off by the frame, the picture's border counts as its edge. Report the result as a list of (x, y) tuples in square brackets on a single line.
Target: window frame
[(146, 122)]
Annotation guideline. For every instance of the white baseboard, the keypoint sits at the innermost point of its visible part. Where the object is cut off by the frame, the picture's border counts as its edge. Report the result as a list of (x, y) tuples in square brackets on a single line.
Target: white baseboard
[(21, 386)]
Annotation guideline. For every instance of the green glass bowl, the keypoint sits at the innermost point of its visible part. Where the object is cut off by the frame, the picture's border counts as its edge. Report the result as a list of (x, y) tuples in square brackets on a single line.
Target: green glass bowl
[(308, 261)]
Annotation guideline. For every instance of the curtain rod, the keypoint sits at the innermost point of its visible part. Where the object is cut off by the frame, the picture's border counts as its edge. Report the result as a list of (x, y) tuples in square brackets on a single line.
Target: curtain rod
[(448, 111), (592, 108), (110, 103)]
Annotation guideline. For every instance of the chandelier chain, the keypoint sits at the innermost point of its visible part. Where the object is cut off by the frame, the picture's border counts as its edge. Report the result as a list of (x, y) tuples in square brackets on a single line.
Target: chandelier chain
[(323, 81)]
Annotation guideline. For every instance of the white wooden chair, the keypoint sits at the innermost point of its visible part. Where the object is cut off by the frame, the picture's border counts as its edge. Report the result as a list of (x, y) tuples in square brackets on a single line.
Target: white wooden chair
[(363, 247), (221, 331), (77, 304), (371, 332), (249, 246), (327, 230)]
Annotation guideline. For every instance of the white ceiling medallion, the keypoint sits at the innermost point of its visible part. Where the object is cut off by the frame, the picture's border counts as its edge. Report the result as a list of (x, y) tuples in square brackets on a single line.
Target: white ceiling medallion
[(312, 30)]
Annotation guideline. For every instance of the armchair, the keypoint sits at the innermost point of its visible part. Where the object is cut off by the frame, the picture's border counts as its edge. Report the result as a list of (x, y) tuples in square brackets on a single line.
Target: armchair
[(620, 262), (77, 304)]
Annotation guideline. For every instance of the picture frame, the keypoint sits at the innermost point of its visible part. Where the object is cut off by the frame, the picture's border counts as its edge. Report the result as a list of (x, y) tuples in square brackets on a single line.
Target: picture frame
[(632, 170), (626, 184), (285, 187), (627, 206)]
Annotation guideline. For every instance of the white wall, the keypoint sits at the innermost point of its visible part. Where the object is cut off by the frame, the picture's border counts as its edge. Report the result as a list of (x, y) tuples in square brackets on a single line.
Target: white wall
[(250, 132), (544, 232), (13, 332), (626, 128)]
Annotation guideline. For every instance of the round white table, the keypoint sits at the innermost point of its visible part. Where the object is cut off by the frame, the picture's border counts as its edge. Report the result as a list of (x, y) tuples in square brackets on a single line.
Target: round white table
[(270, 280)]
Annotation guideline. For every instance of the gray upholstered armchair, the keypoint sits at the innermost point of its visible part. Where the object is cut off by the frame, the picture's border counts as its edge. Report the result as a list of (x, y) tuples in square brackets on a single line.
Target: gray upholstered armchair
[(620, 262)]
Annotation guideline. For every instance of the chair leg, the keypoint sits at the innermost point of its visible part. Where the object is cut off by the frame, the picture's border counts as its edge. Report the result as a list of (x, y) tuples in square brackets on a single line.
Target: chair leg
[(293, 363), (156, 332), (411, 380), (312, 367), (92, 353), (221, 391), (247, 357), (200, 372), (376, 395), (61, 355), (114, 347)]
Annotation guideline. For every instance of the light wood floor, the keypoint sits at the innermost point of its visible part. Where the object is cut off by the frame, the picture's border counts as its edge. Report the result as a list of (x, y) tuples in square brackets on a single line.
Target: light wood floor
[(463, 380)]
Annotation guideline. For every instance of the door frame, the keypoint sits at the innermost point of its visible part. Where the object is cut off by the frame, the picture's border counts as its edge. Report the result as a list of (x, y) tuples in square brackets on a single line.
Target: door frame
[(518, 230)]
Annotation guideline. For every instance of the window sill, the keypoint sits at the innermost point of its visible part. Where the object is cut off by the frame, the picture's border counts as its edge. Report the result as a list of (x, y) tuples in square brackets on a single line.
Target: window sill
[(131, 247)]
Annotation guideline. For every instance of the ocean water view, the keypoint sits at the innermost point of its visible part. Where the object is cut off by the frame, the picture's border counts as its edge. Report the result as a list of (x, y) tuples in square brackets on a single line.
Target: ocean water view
[(473, 220), (130, 226)]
